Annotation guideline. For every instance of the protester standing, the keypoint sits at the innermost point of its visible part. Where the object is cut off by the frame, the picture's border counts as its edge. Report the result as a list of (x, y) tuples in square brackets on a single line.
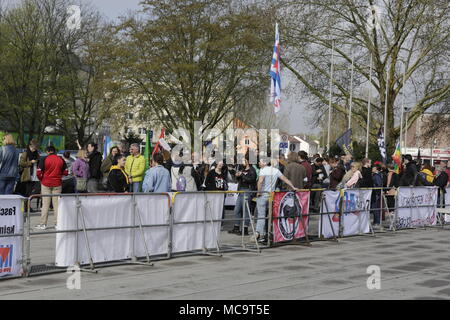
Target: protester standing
[(107, 164), (294, 172), (318, 176), (69, 181), (50, 171), (356, 176), (409, 174), (118, 180), (28, 164), (268, 177), (246, 177), (135, 168), (95, 163), (9, 165), (441, 181), (157, 178), (337, 173), (377, 179), (367, 181), (304, 162), (81, 172)]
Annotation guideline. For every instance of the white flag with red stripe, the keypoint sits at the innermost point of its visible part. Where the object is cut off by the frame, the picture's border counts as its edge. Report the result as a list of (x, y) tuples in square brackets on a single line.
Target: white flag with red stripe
[(275, 88)]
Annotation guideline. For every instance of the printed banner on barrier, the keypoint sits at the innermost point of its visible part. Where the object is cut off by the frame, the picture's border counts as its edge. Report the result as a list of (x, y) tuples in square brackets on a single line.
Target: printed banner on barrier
[(419, 207), (356, 213), (330, 203), (11, 222), (287, 207)]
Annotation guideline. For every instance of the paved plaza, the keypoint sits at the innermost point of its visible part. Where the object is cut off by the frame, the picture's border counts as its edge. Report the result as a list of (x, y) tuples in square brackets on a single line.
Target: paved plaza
[(414, 264)]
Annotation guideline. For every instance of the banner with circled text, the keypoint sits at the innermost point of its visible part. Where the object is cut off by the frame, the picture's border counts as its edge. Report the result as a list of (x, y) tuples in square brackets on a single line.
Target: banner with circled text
[(287, 210)]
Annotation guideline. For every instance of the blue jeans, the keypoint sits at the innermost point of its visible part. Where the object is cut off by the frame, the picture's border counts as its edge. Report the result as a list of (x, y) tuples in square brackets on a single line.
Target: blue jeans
[(240, 209), (135, 187), (261, 205), (7, 186)]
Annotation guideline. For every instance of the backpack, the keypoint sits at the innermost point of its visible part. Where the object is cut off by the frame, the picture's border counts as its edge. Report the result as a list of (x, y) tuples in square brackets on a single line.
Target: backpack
[(181, 183)]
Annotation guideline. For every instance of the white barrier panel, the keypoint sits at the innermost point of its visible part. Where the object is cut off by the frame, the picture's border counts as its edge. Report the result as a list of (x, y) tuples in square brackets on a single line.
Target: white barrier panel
[(420, 203), (11, 222), (331, 201), (196, 207), (231, 198), (106, 212), (447, 204)]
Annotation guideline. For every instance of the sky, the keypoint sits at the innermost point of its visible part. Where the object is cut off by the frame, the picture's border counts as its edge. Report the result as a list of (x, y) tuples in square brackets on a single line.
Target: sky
[(299, 117)]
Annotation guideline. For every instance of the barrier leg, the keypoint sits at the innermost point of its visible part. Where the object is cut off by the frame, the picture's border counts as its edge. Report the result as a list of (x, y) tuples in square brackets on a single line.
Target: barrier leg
[(170, 235), (329, 219), (135, 211), (26, 258), (205, 249), (252, 224), (91, 262)]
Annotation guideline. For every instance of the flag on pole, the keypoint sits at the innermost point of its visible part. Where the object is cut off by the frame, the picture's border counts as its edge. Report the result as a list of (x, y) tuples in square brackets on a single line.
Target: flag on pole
[(157, 147), (107, 145), (381, 144), (275, 87), (397, 157), (148, 145), (345, 142)]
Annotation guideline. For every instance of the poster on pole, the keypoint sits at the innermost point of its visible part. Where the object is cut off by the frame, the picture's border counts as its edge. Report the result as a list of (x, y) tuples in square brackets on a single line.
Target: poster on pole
[(330, 222), (287, 210), (11, 223), (416, 207)]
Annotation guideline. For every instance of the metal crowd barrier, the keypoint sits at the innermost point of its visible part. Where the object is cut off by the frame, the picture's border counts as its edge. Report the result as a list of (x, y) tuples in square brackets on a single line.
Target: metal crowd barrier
[(207, 225)]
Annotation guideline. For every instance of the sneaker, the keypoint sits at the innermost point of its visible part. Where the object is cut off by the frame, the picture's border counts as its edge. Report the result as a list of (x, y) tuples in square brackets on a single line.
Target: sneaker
[(255, 237), (41, 227), (263, 239)]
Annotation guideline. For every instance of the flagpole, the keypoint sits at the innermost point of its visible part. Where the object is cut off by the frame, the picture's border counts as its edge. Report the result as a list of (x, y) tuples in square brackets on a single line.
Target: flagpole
[(369, 106), (386, 107), (351, 92), (402, 112), (331, 95)]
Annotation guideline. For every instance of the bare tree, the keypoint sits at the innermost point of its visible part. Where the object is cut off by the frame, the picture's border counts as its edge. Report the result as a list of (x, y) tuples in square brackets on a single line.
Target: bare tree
[(405, 37)]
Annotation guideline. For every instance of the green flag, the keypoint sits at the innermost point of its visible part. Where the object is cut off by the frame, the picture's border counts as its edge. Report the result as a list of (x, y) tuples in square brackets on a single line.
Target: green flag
[(148, 146)]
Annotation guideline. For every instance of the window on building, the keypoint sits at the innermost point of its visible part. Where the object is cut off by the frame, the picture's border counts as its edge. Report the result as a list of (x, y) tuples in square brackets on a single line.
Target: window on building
[(130, 102), (142, 131), (129, 116)]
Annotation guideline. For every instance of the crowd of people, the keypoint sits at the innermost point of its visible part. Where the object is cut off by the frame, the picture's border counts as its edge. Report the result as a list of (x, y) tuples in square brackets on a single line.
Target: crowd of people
[(124, 170)]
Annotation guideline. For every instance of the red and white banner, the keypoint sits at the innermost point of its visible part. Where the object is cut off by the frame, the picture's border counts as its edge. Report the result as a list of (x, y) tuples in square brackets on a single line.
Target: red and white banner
[(287, 210)]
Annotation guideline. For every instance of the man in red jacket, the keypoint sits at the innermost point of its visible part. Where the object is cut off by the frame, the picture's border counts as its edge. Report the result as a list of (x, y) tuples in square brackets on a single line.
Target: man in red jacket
[(50, 172)]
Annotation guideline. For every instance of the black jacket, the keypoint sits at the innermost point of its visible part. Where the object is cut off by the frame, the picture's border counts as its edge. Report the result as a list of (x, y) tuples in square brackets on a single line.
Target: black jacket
[(315, 175), (409, 175), (216, 182), (117, 182), (367, 180), (95, 164), (441, 181), (247, 181)]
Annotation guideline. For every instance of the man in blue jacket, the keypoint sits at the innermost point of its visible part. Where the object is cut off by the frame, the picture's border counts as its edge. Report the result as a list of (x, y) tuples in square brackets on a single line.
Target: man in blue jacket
[(9, 164), (157, 179)]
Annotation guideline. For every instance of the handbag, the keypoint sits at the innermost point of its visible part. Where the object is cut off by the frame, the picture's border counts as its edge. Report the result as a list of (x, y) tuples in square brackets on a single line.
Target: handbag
[(81, 184)]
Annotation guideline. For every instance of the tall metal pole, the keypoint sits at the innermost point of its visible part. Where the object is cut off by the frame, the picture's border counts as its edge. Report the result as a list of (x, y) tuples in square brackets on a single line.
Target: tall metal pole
[(386, 108), (351, 93), (369, 106), (402, 112), (331, 96)]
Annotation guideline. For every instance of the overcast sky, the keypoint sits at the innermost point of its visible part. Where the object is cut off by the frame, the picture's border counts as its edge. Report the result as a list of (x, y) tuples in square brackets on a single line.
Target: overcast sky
[(299, 119)]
